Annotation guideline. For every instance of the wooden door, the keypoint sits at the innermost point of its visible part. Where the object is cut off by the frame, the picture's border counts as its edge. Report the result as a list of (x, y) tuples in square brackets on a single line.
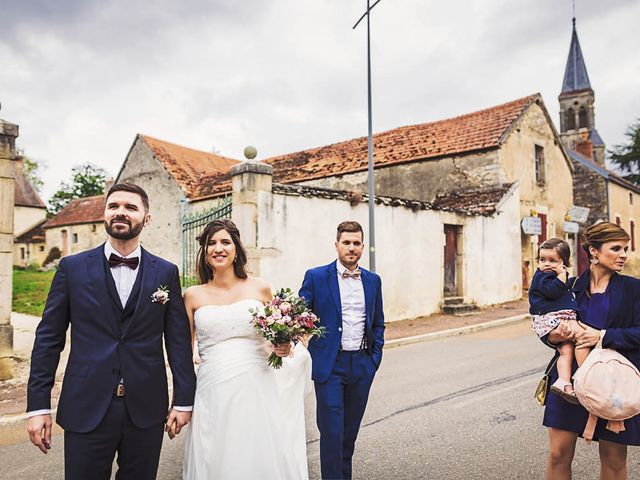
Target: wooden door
[(450, 258), (543, 236)]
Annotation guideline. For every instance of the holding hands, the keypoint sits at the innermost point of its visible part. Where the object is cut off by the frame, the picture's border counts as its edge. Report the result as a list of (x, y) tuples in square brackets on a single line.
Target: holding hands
[(175, 421)]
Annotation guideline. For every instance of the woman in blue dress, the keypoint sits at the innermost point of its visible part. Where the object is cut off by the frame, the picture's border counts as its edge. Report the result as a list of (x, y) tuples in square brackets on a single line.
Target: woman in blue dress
[(609, 307)]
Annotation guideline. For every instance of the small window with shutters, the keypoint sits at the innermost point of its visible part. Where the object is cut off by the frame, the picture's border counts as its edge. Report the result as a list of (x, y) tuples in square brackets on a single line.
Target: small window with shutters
[(632, 231), (540, 173)]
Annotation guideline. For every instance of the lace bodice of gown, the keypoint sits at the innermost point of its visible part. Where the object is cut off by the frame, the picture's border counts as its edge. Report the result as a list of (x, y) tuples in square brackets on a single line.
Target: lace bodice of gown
[(225, 334)]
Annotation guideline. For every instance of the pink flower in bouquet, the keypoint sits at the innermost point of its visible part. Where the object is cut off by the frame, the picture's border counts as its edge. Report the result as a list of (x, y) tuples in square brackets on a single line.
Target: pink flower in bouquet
[(284, 319), (285, 308)]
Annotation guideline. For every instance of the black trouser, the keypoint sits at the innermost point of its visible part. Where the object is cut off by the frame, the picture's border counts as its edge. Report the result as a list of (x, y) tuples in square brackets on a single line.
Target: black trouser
[(89, 456)]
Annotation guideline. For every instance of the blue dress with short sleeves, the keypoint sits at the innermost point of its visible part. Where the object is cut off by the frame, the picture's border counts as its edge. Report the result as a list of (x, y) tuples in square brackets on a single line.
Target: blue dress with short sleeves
[(561, 414)]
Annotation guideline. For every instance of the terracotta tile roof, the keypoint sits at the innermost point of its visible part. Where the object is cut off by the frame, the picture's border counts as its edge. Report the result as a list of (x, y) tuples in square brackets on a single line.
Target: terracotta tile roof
[(482, 201), (34, 235), (26, 195), (472, 202), (199, 174), (78, 211), (477, 131)]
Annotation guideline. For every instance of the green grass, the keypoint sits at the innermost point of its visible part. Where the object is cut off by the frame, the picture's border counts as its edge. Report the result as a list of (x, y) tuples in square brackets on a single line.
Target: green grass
[(30, 289)]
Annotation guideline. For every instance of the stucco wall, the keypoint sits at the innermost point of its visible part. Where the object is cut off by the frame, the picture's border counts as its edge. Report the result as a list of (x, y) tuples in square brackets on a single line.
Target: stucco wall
[(26, 217), (296, 233), (163, 235), (33, 253), (627, 210), (89, 235)]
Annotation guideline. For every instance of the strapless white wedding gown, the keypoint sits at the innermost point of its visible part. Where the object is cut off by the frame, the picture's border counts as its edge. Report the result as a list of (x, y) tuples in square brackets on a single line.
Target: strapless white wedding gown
[(248, 419)]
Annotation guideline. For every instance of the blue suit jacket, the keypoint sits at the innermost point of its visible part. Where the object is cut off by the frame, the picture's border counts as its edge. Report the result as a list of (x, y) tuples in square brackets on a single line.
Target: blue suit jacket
[(321, 292), (104, 349)]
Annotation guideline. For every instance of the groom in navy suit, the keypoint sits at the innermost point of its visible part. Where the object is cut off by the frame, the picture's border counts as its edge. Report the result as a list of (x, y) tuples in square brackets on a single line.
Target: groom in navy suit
[(348, 300), (121, 302)]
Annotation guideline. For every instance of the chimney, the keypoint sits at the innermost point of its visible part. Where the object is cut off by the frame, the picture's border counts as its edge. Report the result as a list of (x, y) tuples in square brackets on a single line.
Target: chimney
[(585, 148), (108, 183)]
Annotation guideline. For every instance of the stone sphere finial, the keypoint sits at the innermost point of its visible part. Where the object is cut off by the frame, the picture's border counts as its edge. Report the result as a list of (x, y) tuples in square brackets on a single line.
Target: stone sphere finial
[(250, 152)]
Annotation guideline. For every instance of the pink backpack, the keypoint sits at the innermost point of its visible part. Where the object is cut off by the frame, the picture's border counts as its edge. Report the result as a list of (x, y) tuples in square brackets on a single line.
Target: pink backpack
[(608, 386)]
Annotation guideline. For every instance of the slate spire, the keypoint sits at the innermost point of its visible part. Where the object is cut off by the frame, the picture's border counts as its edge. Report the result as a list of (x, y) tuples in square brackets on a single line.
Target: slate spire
[(575, 73)]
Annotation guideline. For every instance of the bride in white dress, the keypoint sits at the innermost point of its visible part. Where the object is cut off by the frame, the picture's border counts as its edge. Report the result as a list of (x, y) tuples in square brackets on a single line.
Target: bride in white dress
[(248, 419)]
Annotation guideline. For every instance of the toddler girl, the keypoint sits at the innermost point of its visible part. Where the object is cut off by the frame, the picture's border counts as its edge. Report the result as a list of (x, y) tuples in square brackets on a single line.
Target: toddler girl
[(553, 305)]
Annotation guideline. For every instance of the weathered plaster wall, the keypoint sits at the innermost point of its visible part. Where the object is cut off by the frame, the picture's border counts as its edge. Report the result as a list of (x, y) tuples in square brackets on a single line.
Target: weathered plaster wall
[(89, 235), (26, 217), (163, 235), (296, 233)]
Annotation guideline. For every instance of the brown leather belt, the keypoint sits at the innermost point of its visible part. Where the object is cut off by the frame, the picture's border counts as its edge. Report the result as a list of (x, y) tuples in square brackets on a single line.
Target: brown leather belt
[(120, 390)]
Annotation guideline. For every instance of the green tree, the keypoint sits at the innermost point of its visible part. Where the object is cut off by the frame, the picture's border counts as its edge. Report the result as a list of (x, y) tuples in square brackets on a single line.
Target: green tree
[(627, 156), (32, 170), (86, 180)]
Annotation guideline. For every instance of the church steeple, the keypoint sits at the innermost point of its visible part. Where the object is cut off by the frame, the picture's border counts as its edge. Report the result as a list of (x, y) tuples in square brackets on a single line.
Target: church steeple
[(575, 73), (577, 117)]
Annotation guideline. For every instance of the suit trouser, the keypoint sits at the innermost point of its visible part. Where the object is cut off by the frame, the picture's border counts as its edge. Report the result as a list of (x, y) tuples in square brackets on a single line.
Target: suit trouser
[(341, 402), (89, 456)]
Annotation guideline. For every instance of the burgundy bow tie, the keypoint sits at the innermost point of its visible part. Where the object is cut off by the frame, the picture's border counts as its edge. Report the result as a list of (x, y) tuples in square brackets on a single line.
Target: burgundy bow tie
[(353, 274), (116, 261)]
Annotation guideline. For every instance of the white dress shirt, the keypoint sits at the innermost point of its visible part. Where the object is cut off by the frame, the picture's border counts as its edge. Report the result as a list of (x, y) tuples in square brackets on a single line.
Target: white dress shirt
[(353, 309), (123, 276)]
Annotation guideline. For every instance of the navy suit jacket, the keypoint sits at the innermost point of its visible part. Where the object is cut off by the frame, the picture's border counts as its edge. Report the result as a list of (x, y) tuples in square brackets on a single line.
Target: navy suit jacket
[(105, 349), (623, 330), (321, 291)]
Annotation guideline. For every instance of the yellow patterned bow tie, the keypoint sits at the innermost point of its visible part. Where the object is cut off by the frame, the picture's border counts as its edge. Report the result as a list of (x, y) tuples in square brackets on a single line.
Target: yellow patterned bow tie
[(351, 274)]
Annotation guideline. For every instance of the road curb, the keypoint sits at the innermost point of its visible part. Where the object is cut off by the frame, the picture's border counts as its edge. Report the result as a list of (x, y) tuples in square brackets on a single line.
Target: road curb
[(425, 337)]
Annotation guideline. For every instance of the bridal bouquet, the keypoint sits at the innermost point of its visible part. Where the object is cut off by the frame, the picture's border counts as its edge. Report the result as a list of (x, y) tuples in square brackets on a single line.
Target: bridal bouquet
[(284, 319)]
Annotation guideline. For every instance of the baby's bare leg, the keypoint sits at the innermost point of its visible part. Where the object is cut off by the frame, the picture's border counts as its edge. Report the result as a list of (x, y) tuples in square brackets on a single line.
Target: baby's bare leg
[(581, 355), (565, 361)]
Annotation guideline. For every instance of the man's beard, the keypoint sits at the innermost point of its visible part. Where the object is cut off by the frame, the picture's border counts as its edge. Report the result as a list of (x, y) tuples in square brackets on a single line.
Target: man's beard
[(132, 232)]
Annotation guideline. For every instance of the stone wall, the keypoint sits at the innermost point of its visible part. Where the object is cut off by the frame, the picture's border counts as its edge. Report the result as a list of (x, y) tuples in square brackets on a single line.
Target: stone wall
[(423, 180), (590, 190), (8, 135)]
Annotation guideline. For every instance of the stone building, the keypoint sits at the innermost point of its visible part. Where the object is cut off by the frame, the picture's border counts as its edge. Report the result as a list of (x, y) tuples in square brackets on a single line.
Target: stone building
[(608, 196), (77, 227), (513, 142), (29, 214)]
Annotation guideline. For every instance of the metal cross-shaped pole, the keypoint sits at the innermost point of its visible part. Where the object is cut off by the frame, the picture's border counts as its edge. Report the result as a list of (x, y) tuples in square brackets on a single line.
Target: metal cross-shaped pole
[(372, 229)]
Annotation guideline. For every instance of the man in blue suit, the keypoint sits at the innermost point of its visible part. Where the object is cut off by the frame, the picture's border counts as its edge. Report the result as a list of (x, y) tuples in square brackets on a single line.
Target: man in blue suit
[(348, 301), (121, 302)]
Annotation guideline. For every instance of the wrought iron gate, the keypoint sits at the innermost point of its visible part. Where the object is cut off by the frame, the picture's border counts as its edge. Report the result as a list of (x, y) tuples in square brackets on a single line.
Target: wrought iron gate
[(192, 225)]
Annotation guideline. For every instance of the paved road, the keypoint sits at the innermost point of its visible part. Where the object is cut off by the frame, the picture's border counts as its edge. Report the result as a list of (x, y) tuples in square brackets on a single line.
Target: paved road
[(457, 408)]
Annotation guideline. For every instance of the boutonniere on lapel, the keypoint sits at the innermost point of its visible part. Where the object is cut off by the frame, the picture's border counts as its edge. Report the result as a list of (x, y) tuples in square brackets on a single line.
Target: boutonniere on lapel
[(161, 295)]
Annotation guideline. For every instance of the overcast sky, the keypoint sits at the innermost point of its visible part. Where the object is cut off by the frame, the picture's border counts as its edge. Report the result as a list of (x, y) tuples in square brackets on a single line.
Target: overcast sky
[(83, 77)]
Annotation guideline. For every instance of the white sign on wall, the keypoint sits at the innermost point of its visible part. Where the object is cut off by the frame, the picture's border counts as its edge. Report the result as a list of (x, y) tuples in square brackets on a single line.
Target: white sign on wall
[(571, 227), (532, 225)]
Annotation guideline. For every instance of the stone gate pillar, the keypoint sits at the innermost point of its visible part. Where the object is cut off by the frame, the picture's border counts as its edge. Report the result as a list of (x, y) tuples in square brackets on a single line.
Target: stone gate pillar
[(8, 134), (252, 182)]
